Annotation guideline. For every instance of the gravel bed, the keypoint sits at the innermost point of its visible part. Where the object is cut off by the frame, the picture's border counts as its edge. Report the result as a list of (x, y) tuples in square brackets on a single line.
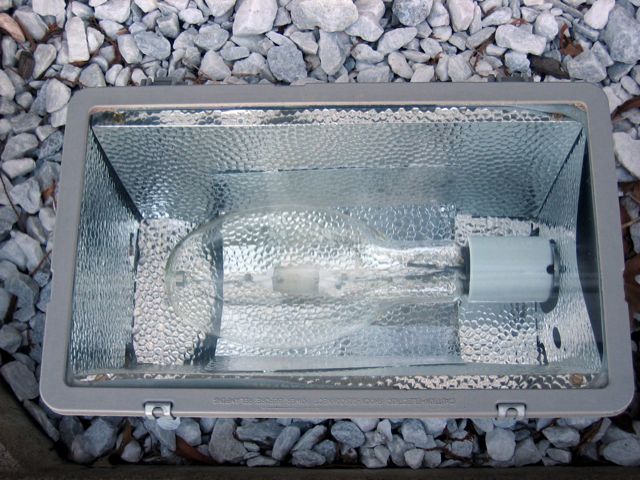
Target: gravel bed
[(51, 47)]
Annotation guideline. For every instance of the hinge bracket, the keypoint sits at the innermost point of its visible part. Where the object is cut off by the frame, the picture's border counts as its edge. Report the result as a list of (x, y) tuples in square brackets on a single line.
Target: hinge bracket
[(516, 411), (155, 410)]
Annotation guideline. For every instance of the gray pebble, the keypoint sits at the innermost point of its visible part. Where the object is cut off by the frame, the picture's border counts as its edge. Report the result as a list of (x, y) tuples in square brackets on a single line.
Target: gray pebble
[(255, 17), (412, 431), (223, 445), (432, 458), (58, 95), (25, 122), (414, 458), (191, 16), (334, 16), (213, 66), (254, 64), (365, 424), (559, 455), (504, 422), (206, 425), (395, 39), (285, 442), (132, 452), (220, 7), (411, 12), (546, 25), (12, 252), (18, 167), (27, 195), (286, 63), (498, 17), (366, 27), (463, 448), (439, 15), (39, 415), (305, 41), (43, 56), (520, 40), (211, 37), (397, 446), (31, 22), (562, 437), (189, 431), (332, 51), (480, 37), (169, 25), (92, 76), (434, 426), (431, 47), (10, 339), (263, 433), (76, 35), (399, 65), (310, 438), (458, 68), (167, 438), (129, 49), (461, 13), (605, 423), (623, 452), (516, 61), (251, 447), (379, 74), (586, 66), (328, 449), (598, 15), (526, 453), (19, 146), (383, 429), (69, 428), (51, 145), (100, 437), (231, 54), (152, 44), (44, 8), (20, 379), (114, 10), (622, 36), (365, 53), (347, 433), (617, 71), (501, 444), (369, 458), (307, 459)]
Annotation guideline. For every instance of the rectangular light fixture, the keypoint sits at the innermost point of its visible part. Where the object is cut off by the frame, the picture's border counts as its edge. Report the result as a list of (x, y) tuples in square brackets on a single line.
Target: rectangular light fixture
[(338, 250)]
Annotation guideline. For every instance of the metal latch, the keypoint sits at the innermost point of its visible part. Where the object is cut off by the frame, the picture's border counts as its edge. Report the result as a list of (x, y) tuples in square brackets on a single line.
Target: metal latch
[(155, 410), (517, 411)]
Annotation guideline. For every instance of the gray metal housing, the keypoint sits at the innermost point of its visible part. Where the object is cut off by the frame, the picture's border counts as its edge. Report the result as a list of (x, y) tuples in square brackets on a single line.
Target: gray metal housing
[(67, 397)]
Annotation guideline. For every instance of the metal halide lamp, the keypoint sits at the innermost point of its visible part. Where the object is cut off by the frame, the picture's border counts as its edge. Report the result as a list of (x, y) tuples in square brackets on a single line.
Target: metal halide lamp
[(338, 250)]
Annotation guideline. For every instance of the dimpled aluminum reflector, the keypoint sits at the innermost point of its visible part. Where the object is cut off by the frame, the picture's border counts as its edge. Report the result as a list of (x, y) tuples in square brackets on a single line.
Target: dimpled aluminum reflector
[(413, 174)]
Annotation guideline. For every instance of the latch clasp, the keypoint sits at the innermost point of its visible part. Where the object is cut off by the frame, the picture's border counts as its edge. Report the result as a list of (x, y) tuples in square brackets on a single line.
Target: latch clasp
[(517, 411), (155, 410)]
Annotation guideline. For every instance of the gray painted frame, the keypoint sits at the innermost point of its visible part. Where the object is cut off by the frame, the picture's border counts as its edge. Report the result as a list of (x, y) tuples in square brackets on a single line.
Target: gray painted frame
[(105, 400)]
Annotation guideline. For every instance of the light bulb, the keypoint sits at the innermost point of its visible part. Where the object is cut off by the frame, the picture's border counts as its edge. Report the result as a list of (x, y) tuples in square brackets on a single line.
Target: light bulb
[(292, 277)]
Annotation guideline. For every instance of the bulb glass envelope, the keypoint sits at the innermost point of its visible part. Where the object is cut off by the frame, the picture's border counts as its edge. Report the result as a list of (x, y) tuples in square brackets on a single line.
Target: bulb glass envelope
[(429, 165)]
